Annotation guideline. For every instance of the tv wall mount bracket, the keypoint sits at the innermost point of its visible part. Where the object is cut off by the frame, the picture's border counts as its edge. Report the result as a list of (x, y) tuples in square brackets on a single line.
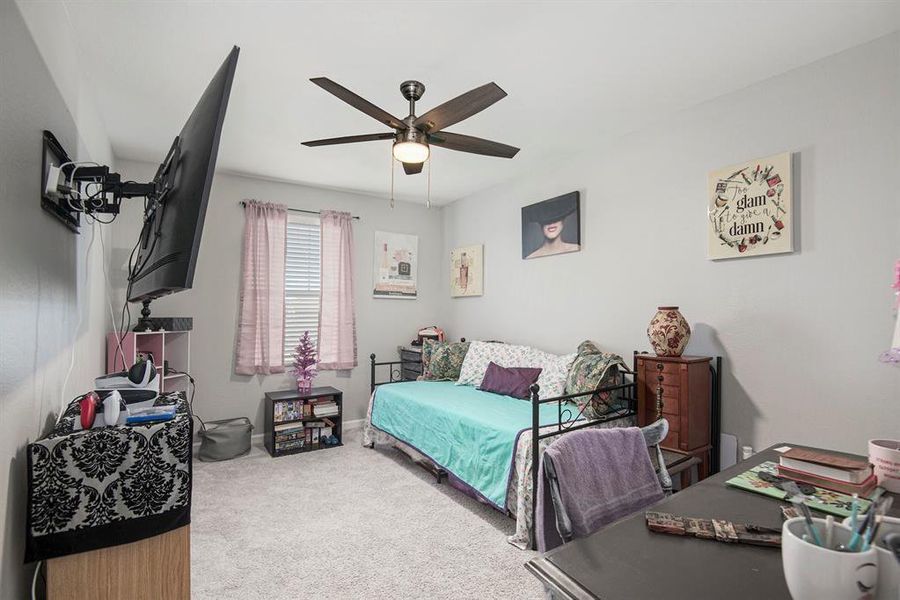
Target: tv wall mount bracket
[(65, 185)]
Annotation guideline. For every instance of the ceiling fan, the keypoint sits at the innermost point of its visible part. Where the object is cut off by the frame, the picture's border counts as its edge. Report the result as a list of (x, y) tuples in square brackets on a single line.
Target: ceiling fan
[(413, 135)]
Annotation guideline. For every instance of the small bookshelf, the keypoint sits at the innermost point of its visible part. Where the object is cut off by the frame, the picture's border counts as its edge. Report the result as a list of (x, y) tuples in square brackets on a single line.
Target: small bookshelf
[(303, 421)]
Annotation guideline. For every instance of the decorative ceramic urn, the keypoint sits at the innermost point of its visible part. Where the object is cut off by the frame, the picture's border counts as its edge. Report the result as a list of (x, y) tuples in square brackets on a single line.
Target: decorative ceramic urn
[(668, 331)]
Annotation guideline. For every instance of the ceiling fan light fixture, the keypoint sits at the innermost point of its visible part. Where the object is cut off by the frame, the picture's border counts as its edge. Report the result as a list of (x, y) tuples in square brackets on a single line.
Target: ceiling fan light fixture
[(411, 152)]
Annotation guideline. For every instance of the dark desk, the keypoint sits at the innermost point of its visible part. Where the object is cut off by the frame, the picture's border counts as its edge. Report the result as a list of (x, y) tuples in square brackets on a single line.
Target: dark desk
[(627, 560)]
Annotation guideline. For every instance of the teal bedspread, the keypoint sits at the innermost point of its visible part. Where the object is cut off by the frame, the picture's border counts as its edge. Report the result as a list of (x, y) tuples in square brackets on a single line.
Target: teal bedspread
[(471, 434)]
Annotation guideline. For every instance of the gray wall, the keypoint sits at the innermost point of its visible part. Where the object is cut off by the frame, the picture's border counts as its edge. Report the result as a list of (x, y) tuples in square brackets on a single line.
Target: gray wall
[(213, 302), (43, 270), (800, 333)]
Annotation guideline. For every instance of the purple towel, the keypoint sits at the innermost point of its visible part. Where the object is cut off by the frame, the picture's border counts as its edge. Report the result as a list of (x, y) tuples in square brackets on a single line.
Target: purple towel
[(604, 475)]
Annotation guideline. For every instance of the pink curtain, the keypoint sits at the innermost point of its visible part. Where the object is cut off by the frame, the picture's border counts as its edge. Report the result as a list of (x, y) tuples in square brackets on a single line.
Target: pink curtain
[(260, 338), (337, 318)]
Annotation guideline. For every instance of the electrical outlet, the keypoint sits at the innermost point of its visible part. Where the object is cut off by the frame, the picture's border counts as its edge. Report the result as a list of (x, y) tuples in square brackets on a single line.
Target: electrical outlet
[(55, 177)]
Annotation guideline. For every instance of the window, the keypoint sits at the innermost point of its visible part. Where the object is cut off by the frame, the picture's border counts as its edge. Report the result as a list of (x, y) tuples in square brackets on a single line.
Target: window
[(301, 281)]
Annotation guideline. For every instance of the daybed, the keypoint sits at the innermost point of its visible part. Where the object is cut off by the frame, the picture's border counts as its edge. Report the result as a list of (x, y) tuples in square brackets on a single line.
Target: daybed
[(484, 443)]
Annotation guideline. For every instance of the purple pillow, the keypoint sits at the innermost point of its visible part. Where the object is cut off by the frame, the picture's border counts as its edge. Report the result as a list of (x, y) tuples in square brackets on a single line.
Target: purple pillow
[(513, 381)]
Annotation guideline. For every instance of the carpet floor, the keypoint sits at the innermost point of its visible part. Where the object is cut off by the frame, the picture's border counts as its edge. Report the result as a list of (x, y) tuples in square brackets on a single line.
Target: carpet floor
[(350, 523)]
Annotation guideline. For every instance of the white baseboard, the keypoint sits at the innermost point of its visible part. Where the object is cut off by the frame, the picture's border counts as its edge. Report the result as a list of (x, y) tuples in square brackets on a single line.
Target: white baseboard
[(257, 438)]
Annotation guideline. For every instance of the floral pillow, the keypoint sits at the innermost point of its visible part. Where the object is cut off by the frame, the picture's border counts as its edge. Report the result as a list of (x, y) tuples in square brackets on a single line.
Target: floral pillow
[(427, 349), (441, 361), (554, 368), (592, 369)]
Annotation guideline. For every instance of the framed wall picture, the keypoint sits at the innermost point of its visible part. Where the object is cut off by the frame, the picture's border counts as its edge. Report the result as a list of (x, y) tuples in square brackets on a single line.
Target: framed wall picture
[(552, 226), (750, 208), (396, 265), (467, 271)]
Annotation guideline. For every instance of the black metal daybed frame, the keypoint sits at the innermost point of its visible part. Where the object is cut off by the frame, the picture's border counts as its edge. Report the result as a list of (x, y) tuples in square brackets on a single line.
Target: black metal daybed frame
[(566, 421)]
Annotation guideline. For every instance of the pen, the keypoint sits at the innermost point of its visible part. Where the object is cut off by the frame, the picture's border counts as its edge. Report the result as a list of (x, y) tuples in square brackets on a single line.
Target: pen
[(857, 533), (829, 531), (873, 531), (807, 517), (883, 507), (854, 511)]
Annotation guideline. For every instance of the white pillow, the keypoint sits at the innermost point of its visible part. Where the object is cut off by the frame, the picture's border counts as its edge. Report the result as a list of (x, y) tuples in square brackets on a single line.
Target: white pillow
[(555, 368)]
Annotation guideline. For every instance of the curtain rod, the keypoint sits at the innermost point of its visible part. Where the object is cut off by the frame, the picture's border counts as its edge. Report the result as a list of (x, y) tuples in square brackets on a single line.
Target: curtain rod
[(300, 210)]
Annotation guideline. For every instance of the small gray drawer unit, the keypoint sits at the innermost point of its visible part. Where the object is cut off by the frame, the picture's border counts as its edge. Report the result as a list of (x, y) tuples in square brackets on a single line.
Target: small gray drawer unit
[(411, 357)]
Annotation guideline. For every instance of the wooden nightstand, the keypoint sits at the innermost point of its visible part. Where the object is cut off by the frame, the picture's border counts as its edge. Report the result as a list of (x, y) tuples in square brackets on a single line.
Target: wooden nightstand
[(684, 384)]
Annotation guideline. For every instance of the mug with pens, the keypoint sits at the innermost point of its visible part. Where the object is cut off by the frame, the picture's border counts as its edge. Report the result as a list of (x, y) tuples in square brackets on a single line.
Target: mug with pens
[(825, 559), (877, 531)]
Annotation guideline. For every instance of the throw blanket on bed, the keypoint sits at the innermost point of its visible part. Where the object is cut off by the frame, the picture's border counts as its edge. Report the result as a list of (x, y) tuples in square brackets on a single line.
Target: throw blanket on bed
[(604, 475), (521, 495), (469, 433)]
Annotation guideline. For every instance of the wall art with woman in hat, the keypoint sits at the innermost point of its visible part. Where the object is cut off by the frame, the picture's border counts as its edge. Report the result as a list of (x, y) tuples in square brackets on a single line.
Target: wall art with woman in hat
[(551, 227)]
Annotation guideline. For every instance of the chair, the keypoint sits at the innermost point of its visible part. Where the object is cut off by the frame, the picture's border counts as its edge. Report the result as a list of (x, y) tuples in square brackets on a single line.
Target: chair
[(654, 434)]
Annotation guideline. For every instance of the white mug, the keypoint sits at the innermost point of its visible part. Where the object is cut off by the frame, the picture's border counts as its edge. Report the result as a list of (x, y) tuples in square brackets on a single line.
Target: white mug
[(888, 567), (813, 572), (885, 458)]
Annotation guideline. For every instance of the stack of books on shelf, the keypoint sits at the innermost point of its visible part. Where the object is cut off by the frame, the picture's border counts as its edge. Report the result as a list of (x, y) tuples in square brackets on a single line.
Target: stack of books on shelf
[(288, 410), (827, 470), (302, 436), (326, 409), (290, 436)]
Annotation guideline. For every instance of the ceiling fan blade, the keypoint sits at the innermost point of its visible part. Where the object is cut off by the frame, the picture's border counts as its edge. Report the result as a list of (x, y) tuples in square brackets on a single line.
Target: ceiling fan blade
[(467, 143), (412, 168), (359, 103), (351, 139), (461, 107)]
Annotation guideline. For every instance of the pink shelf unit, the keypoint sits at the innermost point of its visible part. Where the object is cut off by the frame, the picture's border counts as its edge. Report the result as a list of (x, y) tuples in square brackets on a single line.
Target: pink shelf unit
[(173, 347)]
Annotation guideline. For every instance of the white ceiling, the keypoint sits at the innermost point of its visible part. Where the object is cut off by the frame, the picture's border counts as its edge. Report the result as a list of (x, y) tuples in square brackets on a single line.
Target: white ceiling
[(577, 74)]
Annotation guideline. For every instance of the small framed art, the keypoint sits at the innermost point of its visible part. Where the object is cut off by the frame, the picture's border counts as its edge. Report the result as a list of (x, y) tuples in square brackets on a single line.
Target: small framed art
[(467, 271), (750, 209), (552, 226), (396, 265)]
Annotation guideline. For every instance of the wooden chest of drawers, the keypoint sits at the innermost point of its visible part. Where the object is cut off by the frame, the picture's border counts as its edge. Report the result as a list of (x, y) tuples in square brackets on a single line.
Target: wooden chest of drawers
[(686, 401)]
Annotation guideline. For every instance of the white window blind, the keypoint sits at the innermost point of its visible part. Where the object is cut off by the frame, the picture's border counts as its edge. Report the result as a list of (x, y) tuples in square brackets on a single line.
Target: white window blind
[(302, 281)]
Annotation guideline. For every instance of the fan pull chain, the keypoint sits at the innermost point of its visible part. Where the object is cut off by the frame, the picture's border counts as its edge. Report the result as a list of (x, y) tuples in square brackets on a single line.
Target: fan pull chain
[(392, 181), (428, 197)]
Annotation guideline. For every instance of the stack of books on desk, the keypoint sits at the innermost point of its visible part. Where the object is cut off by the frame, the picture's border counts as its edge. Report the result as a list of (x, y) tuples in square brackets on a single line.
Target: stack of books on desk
[(827, 470), (325, 409)]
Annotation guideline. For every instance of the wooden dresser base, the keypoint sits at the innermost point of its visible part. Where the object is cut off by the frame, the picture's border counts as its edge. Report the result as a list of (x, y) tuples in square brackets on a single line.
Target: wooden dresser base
[(152, 569)]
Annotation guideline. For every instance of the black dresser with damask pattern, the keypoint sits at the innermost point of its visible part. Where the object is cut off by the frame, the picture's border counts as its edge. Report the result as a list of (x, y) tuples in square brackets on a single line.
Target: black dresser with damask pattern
[(110, 485)]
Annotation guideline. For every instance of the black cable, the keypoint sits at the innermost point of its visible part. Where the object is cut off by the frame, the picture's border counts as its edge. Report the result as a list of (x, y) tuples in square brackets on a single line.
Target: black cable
[(134, 270), (123, 330), (156, 235), (89, 212), (194, 415), (94, 217)]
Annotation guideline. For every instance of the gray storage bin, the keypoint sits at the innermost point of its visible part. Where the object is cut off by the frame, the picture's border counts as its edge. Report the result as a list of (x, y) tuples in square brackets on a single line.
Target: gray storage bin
[(224, 439)]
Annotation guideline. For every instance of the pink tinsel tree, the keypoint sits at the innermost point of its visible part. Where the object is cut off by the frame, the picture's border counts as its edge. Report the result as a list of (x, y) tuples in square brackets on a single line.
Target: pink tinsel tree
[(304, 366)]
